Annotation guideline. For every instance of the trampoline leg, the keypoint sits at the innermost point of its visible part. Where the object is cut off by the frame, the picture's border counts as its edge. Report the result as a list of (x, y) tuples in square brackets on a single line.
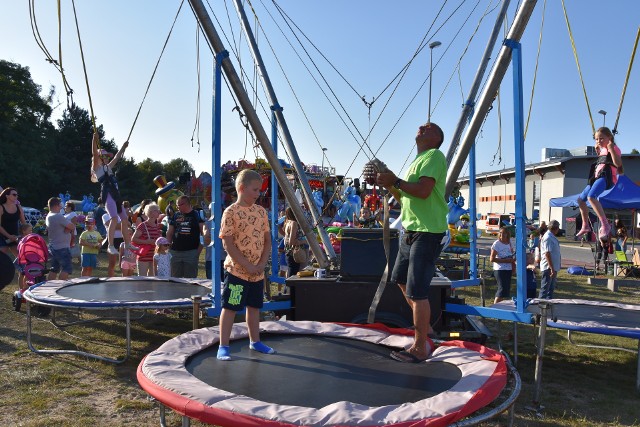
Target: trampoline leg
[(186, 422), (128, 332), (515, 344), (163, 419), (638, 371), (196, 300), (542, 332)]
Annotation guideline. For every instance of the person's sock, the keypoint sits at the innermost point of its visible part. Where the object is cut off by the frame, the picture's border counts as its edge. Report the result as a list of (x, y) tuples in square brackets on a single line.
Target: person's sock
[(262, 348), (223, 353)]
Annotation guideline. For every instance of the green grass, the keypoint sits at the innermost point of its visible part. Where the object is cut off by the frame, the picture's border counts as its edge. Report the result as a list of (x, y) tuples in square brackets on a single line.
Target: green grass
[(581, 386)]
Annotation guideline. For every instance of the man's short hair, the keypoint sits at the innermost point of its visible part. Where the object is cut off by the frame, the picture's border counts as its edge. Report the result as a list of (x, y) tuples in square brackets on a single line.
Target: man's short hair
[(246, 176), (554, 225), (54, 201), (432, 127)]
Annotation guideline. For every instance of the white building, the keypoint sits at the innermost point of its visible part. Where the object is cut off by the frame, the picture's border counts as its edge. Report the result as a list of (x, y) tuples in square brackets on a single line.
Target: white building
[(551, 178)]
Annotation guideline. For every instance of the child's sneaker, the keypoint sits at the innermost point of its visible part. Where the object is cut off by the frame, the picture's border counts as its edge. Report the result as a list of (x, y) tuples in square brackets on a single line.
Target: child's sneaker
[(112, 250), (133, 248)]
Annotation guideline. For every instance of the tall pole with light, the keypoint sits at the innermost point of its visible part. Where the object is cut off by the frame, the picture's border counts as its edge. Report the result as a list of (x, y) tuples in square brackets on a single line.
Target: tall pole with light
[(432, 45), (324, 153), (604, 117)]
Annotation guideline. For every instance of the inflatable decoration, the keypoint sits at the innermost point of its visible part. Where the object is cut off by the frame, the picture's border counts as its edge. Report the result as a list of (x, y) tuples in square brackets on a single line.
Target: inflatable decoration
[(344, 213), (87, 203), (166, 192), (351, 196), (458, 220), (64, 198), (317, 199)]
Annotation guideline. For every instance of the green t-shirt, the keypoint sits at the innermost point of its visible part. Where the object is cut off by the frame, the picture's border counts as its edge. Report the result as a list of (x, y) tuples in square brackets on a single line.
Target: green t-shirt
[(430, 214), (90, 237)]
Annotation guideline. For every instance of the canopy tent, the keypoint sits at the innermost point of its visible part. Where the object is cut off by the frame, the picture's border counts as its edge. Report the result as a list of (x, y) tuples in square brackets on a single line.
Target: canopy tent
[(624, 195)]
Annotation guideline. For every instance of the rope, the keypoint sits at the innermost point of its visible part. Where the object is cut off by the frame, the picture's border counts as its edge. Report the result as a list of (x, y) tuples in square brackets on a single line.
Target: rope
[(575, 54), (535, 72), (84, 67), (196, 125), (626, 81), (38, 38), (499, 150), (135, 120)]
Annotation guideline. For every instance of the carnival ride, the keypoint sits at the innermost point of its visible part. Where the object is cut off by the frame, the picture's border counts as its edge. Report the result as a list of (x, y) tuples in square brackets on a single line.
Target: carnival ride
[(509, 53)]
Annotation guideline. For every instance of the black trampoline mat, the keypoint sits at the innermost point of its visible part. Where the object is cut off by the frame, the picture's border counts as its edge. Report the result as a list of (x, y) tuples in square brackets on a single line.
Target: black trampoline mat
[(132, 290), (607, 315), (315, 371)]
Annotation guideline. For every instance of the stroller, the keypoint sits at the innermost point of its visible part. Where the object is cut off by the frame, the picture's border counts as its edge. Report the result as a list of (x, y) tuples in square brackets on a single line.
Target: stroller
[(33, 255)]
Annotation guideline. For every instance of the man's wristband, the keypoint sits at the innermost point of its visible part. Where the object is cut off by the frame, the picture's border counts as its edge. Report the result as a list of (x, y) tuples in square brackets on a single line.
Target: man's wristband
[(397, 183)]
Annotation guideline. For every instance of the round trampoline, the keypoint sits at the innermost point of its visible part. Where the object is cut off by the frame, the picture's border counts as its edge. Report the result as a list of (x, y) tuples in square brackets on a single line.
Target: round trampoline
[(323, 374), (119, 293)]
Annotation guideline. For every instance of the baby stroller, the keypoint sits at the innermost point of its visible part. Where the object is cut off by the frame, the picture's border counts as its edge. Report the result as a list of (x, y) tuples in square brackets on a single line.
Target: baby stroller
[(33, 255)]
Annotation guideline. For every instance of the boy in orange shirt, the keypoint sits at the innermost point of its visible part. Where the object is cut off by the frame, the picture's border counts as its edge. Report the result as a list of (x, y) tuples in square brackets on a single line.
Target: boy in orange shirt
[(246, 238)]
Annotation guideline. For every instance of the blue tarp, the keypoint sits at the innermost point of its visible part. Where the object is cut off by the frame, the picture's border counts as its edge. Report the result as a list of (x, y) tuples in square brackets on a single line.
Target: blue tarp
[(624, 195)]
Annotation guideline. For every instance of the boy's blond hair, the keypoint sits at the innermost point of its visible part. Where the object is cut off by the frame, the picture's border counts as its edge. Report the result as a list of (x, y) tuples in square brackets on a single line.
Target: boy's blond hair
[(246, 176)]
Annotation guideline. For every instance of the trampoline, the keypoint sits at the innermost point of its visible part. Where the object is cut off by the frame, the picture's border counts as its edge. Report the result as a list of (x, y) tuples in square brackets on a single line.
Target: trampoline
[(325, 374), (577, 315), (115, 293)]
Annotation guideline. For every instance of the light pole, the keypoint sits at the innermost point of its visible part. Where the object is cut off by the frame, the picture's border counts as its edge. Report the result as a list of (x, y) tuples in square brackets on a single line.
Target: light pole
[(324, 151), (604, 116), (432, 45)]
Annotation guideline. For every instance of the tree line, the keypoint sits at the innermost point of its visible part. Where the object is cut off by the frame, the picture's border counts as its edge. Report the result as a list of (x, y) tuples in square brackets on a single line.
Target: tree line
[(42, 160)]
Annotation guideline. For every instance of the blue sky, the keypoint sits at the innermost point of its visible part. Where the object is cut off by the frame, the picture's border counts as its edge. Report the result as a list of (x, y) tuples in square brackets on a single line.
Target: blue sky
[(368, 42)]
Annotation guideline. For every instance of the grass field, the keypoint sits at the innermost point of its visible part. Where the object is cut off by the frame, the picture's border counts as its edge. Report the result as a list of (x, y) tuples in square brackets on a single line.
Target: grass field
[(581, 386)]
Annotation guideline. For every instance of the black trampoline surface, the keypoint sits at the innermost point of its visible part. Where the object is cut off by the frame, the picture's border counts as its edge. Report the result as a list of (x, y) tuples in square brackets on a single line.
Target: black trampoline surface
[(315, 371), (132, 292)]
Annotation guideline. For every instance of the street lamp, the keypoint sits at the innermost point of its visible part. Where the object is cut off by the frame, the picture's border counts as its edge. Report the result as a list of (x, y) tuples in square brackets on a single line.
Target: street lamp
[(432, 45), (324, 151), (604, 116)]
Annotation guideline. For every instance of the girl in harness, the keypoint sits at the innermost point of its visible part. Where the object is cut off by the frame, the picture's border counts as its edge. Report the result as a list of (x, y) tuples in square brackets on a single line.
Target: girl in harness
[(102, 172), (602, 176)]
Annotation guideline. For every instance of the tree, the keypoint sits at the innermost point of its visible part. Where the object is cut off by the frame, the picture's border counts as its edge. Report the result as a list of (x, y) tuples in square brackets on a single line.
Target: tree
[(25, 134), (634, 151), (175, 168), (149, 169)]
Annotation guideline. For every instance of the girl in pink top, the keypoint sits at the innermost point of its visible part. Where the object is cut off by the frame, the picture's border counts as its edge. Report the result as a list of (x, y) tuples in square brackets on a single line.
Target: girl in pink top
[(604, 175)]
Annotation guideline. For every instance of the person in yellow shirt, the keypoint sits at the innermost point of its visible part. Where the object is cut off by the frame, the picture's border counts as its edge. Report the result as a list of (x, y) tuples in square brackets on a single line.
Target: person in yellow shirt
[(90, 242)]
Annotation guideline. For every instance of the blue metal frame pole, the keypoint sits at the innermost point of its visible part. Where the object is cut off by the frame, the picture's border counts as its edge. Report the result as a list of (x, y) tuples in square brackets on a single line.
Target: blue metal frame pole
[(275, 259), (473, 228), (216, 195), (518, 137)]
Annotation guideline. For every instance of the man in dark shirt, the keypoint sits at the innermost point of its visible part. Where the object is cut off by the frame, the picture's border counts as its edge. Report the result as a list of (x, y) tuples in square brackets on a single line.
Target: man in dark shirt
[(185, 228)]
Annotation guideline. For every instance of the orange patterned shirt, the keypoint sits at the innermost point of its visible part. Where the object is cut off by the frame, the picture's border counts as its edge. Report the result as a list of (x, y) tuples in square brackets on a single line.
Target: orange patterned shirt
[(247, 226)]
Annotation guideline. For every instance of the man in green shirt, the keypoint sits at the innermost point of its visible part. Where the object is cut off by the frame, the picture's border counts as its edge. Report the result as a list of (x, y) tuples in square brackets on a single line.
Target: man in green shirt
[(424, 218)]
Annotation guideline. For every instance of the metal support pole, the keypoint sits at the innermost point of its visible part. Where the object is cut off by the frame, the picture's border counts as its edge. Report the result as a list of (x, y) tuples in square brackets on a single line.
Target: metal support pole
[(257, 128), (473, 227), (518, 130), (542, 336), (196, 300), (286, 135), (468, 107), (275, 259), (486, 99), (216, 192)]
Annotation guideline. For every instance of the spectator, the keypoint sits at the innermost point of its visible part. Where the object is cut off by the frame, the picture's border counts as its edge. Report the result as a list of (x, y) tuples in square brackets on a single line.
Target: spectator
[(551, 260), (90, 242), (162, 259), (11, 216), (621, 234), (145, 236), (59, 229), (502, 257), (71, 214), (185, 228), (138, 215), (293, 237)]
